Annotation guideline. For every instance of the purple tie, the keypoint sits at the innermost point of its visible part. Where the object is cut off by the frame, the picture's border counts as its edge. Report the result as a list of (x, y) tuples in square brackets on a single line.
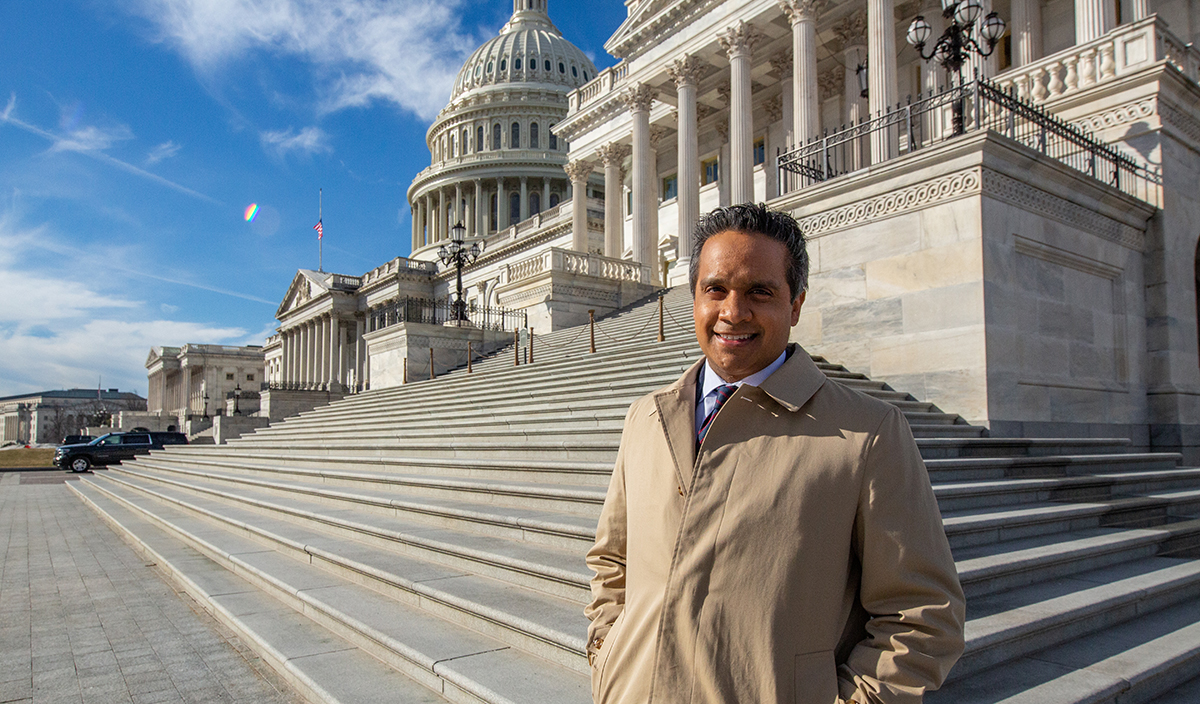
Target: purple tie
[(723, 394)]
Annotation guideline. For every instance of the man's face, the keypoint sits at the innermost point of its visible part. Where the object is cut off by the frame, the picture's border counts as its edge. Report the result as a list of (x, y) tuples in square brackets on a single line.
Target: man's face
[(743, 308)]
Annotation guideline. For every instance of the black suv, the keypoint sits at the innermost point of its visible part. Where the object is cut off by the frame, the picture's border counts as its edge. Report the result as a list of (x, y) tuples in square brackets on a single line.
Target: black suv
[(112, 448)]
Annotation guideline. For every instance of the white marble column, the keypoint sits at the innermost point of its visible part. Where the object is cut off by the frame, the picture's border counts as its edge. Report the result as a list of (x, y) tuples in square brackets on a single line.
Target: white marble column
[(783, 63), (686, 72), (638, 100), (335, 351), (881, 74), (524, 198), (578, 171), (502, 210), (359, 348), (480, 209), (545, 194), (738, 42), (305, 354), (456, 213), (806, 108), (613, 156), (429, 234), (1140, 9), (1093, 18), (320, 353), (416, 241), (1026, 31)]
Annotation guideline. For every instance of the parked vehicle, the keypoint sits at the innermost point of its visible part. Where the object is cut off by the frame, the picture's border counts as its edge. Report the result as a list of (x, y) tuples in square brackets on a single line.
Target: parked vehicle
[(77, 439), (112, 448)]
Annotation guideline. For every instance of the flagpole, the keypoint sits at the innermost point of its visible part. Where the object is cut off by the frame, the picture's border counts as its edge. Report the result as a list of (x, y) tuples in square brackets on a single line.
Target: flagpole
[(320, 236)]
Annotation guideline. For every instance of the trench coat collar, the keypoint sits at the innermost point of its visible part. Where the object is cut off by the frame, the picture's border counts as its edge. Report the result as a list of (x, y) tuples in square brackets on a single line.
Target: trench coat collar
[(790, 386)]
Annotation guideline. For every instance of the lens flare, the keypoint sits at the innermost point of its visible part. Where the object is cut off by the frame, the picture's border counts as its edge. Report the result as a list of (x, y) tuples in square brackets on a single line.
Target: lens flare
[(251, 212)]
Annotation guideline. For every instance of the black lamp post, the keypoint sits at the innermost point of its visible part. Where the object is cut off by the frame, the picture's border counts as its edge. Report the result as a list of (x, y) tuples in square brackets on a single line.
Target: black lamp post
[(237, 395), (456, 253), (206, 405), (958, 41)]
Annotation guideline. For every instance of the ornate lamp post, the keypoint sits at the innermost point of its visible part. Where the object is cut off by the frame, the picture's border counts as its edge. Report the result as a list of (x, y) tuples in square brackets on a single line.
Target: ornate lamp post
[(958, 41), (237, 395), (457, 254)]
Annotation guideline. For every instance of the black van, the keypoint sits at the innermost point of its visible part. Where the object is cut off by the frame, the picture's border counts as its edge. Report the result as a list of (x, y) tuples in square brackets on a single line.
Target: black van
[(112, 448)]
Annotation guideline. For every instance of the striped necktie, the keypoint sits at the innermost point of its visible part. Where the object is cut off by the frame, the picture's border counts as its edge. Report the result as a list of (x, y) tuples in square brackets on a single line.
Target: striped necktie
[(723, 393)]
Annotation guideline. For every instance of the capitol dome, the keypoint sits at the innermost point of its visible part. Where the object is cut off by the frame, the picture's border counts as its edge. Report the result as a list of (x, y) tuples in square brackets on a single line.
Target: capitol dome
[(495, 160)]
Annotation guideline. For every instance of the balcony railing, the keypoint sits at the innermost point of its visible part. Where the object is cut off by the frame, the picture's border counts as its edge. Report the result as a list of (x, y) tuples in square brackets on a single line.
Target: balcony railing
[(978, 105), (571, 262), (439, 312)]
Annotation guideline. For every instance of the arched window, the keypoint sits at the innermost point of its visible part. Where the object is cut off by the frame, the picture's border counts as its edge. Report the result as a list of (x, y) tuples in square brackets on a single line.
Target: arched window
[(479, 138), (562, 68), (533, 135), (465, 141), (494, 225), (478, 70), (553, 199), (585, 77), (574, 72), (517, 64), (514, 141), (453, 147), (496, 136), (503, 64), (489, 67), (553, 139), (535, 203), (547, 65), (514, 208)]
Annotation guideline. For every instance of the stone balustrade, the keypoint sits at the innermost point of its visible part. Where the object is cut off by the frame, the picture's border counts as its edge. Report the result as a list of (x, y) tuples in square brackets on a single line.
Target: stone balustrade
[(580, 263), (606, 82), (404, 264), (1127, 49)]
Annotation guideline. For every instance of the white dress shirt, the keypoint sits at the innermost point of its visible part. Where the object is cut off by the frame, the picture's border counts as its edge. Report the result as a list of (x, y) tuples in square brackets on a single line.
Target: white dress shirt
[(709, 381)]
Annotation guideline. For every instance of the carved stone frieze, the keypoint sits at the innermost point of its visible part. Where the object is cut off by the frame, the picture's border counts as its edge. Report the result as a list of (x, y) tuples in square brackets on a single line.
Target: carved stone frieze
[(1180, 120), (831, 82), (773, 108), (782, 63), (657, 132), (922, 195), (1001, 187), (851, 30)]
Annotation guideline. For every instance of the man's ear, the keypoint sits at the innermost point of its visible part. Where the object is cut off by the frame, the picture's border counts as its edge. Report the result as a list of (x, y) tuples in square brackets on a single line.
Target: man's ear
[(796, 304)]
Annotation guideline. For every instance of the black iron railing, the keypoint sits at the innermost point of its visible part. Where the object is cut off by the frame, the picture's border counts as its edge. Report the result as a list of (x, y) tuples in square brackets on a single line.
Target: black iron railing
[(931, 119), (441, 312)]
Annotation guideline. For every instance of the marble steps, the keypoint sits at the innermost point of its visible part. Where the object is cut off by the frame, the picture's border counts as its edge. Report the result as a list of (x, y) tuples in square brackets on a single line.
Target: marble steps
[(997, 468), (1005, 625), (1154, 657), (389, 636), (988, 447), (982, 526), (1077, 488)]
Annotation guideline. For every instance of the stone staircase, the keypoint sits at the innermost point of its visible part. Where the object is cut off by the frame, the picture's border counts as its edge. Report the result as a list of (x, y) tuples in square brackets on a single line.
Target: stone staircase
[(425, 543)]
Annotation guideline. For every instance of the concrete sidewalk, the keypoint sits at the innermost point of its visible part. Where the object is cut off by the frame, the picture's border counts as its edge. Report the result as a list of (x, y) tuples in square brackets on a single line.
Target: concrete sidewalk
[(84, 619)]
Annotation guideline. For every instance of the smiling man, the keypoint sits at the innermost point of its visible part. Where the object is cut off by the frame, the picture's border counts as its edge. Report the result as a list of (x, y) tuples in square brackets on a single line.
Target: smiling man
[(769, 535)]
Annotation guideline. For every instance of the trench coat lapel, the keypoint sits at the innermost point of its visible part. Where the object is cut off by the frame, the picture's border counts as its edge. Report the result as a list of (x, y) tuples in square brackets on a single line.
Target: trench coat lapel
[(795, 382), (676, 406)]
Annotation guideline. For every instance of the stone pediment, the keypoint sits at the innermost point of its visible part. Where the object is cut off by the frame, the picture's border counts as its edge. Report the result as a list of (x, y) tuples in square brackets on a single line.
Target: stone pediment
[(306, 286), (639, 21)]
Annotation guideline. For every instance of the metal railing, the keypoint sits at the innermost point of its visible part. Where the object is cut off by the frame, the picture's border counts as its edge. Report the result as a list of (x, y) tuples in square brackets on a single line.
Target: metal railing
[(932, 119), (439, 312)]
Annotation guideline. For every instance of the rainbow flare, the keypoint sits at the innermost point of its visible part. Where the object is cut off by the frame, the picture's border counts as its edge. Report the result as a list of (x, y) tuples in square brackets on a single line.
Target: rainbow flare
[(251, 212)]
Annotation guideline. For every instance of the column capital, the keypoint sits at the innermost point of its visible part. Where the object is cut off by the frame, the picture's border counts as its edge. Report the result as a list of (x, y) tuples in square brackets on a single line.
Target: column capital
[(832, 82), (722, 127), (739, 40), (851, 30), (801, 10), (685, 70), (782, 62), (578, 170), (614, 153), (774, 108), (657, 132), (638, 98)]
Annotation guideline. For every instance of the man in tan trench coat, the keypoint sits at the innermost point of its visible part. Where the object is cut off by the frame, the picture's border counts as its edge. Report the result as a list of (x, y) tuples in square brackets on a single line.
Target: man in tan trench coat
[(783, 545)]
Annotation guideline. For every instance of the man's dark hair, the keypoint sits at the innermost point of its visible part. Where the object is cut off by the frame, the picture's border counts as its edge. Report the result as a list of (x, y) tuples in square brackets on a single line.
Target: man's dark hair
[(757, 219)]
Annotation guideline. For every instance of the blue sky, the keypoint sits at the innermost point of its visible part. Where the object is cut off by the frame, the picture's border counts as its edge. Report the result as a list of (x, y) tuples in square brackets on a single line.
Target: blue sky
[(134, 134)]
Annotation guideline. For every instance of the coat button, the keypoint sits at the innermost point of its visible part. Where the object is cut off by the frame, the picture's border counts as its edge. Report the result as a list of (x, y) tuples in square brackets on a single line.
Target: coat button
[(681, 491)]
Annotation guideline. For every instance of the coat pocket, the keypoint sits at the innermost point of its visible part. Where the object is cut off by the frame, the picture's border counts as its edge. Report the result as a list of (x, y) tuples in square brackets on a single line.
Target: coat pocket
[(816, 678), (602, 658)]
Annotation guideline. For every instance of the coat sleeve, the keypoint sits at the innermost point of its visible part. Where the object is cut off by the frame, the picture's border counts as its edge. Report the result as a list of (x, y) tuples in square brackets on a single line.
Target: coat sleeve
[(909, 585), (607, 557)]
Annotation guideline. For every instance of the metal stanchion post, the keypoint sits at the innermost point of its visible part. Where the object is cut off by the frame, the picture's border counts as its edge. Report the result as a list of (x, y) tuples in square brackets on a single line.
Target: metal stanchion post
[(405, 370), (592, 326), (531, 345), (661, 336), (469, 355), (516, 347), (431, 374)]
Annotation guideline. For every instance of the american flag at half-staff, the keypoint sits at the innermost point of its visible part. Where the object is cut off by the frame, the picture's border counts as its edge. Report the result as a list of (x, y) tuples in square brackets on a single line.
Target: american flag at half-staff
[(320, 231)]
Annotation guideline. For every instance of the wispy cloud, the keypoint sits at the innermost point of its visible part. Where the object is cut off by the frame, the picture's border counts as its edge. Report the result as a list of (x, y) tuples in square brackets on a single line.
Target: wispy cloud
[(309, 140), (166, 150), (402, 51), (91, 143)]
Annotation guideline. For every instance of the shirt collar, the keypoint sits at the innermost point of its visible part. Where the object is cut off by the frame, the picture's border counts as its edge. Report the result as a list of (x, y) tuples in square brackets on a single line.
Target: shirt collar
[(712, 381)]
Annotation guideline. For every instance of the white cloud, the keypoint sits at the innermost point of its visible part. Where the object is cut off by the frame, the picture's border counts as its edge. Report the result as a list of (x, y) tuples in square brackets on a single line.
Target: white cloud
[(309, 140), (8, 109), (403, 51), (166, 150), (90, 139)]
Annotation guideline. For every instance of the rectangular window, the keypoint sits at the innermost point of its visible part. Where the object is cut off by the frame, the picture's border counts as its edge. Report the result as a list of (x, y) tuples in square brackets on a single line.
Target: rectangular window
[(249, 377), (629, 203), (760, 150), (229, 377), (711, 168), (670, 187)]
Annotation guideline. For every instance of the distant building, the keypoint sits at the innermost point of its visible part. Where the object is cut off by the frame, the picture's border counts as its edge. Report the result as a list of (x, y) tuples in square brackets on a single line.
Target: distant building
[(195, 380), (48, 416)]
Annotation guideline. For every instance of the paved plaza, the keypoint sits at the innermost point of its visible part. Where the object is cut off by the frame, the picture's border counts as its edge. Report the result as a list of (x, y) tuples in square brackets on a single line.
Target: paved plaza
[(83, 618)]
